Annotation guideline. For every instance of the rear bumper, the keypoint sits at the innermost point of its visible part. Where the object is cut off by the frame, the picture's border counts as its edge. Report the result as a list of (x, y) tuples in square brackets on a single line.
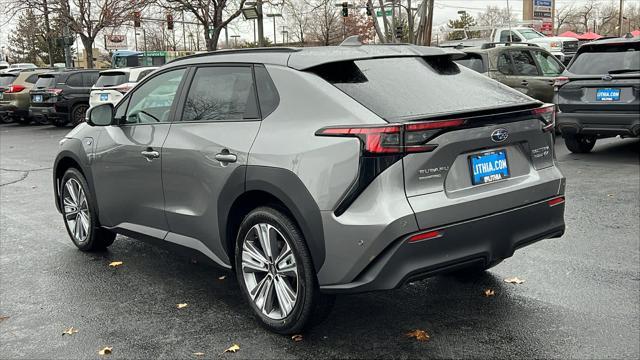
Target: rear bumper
[(601, 124), (477, 241), (45, 111)]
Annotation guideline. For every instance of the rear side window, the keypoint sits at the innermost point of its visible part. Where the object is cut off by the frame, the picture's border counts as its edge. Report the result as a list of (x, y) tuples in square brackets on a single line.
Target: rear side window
[(267, 92), (142, 75), (603, 59), (45, 81), (90, 78), (473, 62), (221, 94), (523, 63), (112, 79), (75, 80), (6, 79), (414, 87), (505, 64)]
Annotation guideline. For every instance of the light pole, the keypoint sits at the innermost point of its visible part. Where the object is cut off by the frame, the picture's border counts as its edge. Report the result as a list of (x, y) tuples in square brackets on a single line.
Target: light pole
[(274, 16)]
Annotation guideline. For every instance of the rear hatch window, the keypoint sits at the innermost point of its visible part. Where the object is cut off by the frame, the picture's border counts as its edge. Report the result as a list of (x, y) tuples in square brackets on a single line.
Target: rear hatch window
[(112, 79), (6, 80), (45, 81), (408, 88), (607, 59), (473, 62)]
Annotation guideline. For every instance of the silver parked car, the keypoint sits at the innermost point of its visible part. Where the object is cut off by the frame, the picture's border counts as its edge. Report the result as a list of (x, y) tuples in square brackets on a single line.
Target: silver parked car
[(317, 171)]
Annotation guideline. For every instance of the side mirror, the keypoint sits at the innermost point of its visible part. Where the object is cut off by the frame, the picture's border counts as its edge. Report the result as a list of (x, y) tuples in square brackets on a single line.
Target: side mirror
[(100, 115)]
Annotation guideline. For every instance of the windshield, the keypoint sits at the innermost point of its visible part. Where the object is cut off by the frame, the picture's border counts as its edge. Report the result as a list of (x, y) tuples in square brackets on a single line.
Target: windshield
[(600, 60), (112, 79), (6, 80), (412, 87), (46, 81), (530, 34)]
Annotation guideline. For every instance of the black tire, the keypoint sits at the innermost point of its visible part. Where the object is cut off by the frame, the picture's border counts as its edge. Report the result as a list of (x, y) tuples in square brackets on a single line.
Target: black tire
[(60, 122), (311, 307), (96, 238), (77, 114), (6, 119), (43, 120), (579, 144)]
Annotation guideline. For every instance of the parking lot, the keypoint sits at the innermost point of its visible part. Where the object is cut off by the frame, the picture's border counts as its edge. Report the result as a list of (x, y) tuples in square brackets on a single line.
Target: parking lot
[(580, 298)]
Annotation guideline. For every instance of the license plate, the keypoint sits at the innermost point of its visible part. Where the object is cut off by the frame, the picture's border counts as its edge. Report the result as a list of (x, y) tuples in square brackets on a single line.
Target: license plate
[(489, 167), (608, 95), (37, 98), (104, 97)]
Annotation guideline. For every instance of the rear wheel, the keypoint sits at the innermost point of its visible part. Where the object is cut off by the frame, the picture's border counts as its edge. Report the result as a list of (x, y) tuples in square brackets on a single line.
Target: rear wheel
[(6, 119), (579, 143), (77, 114), (79, 214), (275, 273)]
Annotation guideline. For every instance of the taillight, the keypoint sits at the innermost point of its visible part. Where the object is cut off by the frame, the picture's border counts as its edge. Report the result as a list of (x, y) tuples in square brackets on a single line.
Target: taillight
[(15, 89), (556, 201), (560, 81), (548, 114), (55, 91), (424, 236), (394, 138), (123, 89)]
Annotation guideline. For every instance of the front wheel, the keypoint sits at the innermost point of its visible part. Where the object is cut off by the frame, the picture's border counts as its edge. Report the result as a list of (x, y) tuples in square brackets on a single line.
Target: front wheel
[(579, 144), (275, 273), (78, 211)]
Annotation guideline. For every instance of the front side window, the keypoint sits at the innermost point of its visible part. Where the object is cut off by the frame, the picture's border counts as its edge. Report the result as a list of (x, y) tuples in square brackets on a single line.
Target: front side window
[(549, 65), (221, 93), (151, 102), (523, 63)]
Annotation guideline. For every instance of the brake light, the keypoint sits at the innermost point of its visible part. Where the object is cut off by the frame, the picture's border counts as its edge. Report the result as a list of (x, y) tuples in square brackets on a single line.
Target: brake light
[(55, 91), (123, 88), (556, 201), (425, 236), (14, 89), (560, 81), (548, 114), (394, 138)]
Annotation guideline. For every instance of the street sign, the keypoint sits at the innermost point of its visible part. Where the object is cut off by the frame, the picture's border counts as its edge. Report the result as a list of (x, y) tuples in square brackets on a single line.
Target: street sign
[(547, 3), (155, 53), (387, 12)]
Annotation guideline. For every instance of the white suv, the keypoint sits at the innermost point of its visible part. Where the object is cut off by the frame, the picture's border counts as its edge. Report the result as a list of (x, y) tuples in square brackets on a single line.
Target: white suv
[(113, 84)]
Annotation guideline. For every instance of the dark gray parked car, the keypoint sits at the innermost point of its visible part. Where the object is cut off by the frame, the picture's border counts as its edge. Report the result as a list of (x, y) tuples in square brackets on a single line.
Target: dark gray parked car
[(317, 171), (599, 95)]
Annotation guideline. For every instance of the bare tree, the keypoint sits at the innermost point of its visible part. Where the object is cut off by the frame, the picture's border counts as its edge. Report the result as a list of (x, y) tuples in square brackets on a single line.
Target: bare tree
[(213, 15), (297, 14), (563, 15), (88, 18), (326, 24), (495, 16)]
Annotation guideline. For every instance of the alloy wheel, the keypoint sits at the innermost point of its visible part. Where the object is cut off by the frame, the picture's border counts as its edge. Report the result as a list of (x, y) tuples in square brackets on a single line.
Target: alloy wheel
[(270, 271), (76, 210)]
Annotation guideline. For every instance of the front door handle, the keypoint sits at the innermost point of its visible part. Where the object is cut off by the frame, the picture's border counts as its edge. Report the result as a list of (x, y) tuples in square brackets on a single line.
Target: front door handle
[(150, 154), (524, 83), (226, 157)]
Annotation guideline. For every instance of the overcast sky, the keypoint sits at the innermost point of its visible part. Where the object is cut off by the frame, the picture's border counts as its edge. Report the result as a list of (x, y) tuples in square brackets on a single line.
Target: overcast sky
[(444, 10)]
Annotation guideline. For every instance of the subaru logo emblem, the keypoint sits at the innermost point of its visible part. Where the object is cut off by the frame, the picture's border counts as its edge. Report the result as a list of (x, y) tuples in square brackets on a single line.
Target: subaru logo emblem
[(607, 77), (499, 135)]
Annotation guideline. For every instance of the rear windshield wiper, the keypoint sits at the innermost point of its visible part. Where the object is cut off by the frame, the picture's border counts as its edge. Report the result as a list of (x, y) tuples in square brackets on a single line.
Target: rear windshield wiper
[(622, 71)]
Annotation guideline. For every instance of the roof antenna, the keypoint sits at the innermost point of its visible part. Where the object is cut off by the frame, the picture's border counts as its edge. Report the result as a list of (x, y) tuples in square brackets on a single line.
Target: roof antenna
[(353, 40)]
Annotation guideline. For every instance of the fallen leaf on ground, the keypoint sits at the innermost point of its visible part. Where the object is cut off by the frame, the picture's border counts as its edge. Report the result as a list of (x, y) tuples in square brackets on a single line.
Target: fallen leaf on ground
[(198, 353), (610, 195), (115, 263), (105, 350), (420, 335), (296, 338), (183, 305), (489, 292), (3, 318), (233, 348), (70, 331), (222, 277), (514, 280)]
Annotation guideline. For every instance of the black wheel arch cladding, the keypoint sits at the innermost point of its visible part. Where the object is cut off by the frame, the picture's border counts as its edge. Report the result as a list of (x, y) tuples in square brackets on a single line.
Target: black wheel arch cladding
[(285, 186)]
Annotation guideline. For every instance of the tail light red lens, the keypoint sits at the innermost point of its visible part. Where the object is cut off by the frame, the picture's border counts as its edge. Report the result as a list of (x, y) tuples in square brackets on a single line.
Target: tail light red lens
[(424, 236), (123, 89), (560, 81), (15, 89), (394, 138), (55, 91), (548, 114), (556, 201)]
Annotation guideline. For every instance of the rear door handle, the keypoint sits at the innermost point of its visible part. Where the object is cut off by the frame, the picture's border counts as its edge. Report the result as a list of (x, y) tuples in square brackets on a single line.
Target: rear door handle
[(226, 157), (150, 154), (524, 83)]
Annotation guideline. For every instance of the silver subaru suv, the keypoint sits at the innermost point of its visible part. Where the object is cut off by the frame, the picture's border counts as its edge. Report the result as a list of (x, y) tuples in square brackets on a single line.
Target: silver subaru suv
[(316, 171)]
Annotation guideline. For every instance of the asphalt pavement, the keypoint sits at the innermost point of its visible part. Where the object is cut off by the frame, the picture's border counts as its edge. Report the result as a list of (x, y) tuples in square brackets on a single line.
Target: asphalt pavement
[(580, 298)]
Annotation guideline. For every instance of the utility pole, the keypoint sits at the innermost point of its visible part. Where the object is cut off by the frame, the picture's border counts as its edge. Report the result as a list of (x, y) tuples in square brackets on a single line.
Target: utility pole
[(67, 46), (620, 18), (260, 23)]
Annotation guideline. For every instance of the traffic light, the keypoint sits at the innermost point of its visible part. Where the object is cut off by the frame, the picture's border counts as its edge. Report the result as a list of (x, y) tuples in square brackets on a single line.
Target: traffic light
[(398, 32), (136, 19), (345, 9), (169, 22), (369, 11)]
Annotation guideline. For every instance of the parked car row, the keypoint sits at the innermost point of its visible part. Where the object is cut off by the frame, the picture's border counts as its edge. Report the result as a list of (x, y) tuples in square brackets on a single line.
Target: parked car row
[(596, 96), (61, 97)]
